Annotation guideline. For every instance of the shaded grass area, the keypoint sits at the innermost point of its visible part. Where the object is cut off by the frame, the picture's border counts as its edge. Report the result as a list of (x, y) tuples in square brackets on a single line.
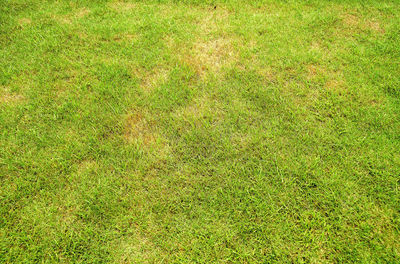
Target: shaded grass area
[(195, 131)]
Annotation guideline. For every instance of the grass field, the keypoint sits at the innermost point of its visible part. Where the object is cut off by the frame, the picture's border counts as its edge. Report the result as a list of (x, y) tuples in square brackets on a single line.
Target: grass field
[(224, 131)]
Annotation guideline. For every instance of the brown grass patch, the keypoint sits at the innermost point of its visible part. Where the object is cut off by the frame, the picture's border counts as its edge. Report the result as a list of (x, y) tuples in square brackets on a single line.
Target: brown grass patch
[(214, 20), (124, 37), (337, 86), (202, 109), (212, 53), (211, 50), (69, 18), (351, 20), (314, 71), (355, 23), (24, 21), (137, 128), (210, 56), (122, 6), (7, 97), (82, 12), (152, 79), (136, 246), (215, 53), (375, 26)]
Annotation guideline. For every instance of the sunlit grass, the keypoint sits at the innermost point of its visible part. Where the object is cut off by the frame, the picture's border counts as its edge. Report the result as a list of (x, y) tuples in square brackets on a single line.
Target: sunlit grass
[(199, 131)]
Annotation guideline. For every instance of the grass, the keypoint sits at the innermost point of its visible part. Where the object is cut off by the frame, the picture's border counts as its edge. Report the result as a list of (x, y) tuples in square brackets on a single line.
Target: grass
[(192, 131)]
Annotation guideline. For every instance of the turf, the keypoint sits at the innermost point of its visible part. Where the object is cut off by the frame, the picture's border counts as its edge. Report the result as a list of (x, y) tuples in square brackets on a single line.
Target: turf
[(192, 131)]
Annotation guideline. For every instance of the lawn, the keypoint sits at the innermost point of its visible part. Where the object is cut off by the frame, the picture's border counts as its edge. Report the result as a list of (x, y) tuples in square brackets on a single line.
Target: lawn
[(199, 131)]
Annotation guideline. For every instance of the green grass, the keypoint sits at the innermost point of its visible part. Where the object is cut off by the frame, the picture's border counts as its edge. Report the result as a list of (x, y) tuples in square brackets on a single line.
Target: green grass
[(200, 131)]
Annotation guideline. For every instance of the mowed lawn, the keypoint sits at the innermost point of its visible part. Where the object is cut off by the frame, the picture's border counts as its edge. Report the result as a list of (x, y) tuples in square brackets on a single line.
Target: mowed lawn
[(224, 131)]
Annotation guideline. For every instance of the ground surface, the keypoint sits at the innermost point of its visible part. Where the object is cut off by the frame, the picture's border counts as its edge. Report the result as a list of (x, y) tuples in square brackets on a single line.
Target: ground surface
[(199, 132)]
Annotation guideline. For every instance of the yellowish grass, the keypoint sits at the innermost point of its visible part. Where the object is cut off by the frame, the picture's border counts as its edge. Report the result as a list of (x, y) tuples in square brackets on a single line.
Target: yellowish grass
[(122, 6), (152, 79), (71, 17), (8, 97), (138, 128), (202, 108), (356, 24), (136, 246), (24, 21)]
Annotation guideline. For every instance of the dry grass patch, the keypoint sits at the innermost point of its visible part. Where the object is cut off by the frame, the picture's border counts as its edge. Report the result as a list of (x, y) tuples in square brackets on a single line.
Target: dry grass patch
[(202, 109), (138, 129), (24, 21), (8, 97), (215, 53), (211, 50), (82, 12), (337, 86), (71, 17), (137, 246), (154, 78), (122, 6), (351, 20), (314, 71), (64, 82), (210, 56), (124, 37), (375, 26), (355, 23), (214, 20)]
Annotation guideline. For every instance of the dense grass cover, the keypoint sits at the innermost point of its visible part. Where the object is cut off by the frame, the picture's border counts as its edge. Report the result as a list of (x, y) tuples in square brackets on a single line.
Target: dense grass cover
[(199, 131)]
